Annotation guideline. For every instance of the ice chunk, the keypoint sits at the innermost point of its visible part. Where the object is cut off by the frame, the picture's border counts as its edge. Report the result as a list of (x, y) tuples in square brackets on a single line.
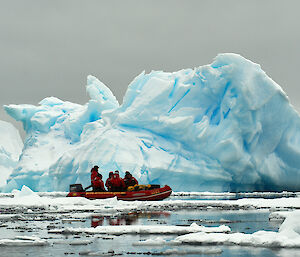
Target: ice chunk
[(23, 241), (291, 226), (179, 252), (221, 127), (26, 197), (151, 242), (24, 192), (101, 94)]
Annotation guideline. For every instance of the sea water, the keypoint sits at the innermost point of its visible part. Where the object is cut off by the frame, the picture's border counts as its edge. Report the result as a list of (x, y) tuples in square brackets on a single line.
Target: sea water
[(39, 221)]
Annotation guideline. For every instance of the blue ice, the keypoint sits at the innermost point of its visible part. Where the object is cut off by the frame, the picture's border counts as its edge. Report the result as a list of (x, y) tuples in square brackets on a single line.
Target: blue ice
[(226, 126)]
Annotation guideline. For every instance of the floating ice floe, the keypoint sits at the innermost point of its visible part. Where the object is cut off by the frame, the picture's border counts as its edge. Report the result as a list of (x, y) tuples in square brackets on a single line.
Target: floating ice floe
[(143, 229), (168, 252), (151, 242), (73, 242), (4, 217), (279, 215), (288, 236), (244, 203), (23, 241), (181, 252), (235, 195)]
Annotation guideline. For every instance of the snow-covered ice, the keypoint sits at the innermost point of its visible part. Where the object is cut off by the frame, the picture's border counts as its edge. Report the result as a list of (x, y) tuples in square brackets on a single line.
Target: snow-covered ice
[(221, 127)]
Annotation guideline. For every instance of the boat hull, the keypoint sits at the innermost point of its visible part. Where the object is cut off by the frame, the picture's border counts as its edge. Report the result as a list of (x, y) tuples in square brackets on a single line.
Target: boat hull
[(142, 195)]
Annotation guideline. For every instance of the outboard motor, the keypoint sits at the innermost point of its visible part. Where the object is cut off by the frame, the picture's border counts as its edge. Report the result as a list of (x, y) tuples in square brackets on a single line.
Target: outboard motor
[(76, 188)]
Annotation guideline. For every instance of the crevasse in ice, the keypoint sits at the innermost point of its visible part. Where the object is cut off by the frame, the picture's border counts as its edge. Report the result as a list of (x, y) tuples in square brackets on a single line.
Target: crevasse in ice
[(221, 127)]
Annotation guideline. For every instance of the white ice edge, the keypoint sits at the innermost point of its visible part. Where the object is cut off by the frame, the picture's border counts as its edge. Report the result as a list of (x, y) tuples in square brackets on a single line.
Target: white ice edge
[(143, 229), (257, 239), (109, 205), (23, 241), (240, 194)]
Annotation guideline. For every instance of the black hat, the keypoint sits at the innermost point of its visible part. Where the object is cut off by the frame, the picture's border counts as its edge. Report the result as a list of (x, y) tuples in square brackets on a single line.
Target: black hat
[(127, 172), (96, 167)]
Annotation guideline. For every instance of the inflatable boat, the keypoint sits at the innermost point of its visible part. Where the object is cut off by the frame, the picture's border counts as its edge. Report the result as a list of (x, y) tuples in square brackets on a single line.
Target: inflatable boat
[(152, 193)]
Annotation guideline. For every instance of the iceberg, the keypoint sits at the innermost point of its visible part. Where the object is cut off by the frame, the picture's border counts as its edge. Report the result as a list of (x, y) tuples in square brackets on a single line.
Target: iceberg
[(221, 127), (10, 149)]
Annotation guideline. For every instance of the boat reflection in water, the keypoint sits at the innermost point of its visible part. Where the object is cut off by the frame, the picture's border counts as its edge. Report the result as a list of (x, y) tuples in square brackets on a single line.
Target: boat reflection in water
[(96, 221), (125, 219)]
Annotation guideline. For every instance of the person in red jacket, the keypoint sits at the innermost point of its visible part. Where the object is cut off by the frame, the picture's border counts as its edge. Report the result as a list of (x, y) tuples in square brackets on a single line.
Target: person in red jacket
[(108, 181), (129, 180), (117, 184), (96, 180)]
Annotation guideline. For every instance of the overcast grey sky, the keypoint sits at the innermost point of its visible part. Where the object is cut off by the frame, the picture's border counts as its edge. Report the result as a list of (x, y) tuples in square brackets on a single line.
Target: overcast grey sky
[(47, 48)]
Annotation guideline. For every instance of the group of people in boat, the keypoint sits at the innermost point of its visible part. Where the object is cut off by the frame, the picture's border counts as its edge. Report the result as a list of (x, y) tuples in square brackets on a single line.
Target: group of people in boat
[(114, 183)]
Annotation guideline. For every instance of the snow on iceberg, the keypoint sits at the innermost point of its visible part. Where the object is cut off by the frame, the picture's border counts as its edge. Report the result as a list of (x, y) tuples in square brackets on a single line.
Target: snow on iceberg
[(10, 149), (221, 127)]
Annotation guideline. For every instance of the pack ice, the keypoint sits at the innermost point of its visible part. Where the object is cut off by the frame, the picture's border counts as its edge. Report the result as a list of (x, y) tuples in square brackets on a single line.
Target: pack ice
[(220, 127)]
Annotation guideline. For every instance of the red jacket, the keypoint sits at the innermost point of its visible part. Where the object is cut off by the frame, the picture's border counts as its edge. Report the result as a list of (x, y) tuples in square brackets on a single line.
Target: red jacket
[(108, 181), (117, 182), (130, 181), (96, 180)]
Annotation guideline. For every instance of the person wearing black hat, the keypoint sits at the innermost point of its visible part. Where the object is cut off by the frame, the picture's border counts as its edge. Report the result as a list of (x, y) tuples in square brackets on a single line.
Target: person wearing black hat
[(96, 180), (108, 183), (129, 180)]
